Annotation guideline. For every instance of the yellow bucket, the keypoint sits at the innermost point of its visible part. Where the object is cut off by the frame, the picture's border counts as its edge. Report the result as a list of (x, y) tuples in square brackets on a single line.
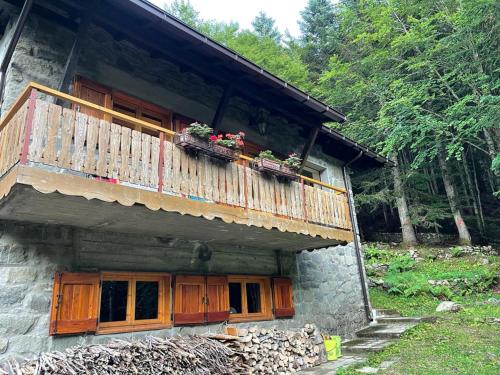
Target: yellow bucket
[(332, 348)]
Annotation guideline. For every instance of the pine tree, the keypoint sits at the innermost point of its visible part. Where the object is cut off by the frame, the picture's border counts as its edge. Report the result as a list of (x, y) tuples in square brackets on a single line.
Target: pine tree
[(264, 27)]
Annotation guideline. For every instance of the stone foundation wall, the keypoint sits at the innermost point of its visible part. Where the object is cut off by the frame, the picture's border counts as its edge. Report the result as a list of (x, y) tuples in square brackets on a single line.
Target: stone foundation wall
[(326, 282)]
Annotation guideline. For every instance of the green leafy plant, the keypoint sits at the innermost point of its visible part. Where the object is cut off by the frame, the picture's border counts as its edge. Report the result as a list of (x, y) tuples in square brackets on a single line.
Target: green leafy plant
[(199, 130), (234, 141), (268, 154), (401, 264), (293, 161), (456, 251)]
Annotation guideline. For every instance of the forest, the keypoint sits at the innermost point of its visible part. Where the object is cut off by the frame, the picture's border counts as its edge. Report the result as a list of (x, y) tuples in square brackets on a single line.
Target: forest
[(419, 82)]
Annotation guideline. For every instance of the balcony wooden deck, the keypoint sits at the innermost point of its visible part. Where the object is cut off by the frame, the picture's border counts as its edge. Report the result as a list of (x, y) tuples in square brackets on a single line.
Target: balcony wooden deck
[(54, 149)]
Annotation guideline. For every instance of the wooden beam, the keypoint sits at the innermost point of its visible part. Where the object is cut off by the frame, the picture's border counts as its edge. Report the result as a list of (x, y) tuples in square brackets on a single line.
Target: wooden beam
[(221, 108), (313, 134), (71, 62)]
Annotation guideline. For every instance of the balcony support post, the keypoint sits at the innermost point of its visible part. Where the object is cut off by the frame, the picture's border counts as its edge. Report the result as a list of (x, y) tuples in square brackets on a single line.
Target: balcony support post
[(221, 108), (71, 62), (303, 194), (28, 127), (313, 134), (160, 162)]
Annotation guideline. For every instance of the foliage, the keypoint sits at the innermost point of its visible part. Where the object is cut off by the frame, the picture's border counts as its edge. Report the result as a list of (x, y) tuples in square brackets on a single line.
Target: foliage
[(202, 131), (293, 161), (268, 154), (234, 141), (263, 26), (401, 264)]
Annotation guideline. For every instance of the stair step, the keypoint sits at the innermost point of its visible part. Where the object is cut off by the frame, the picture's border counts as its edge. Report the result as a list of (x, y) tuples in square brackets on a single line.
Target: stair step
[(365, 345), (398, 319), (378, 330), (385, 313)]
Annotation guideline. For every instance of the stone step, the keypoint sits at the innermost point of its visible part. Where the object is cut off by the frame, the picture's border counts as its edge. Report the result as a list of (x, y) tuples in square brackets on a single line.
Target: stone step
[(364, 346), (392, 330), (385, 313), (398, 319)]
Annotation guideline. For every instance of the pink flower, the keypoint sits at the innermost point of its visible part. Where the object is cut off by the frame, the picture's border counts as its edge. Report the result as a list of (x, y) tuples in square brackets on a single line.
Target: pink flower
[(213, 138), (242, 134)]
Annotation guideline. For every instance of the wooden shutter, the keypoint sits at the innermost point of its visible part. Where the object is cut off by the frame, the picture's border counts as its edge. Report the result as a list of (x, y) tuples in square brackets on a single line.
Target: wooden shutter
[(217, 299), (189, 300), (75, 301), (283, 297)]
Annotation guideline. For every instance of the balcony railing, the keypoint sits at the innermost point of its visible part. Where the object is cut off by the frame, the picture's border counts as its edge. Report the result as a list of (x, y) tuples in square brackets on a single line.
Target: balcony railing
[(37, 131)]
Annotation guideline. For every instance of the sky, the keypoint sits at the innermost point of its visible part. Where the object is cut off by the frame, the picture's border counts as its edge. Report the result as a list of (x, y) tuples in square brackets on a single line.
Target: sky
[(285, 12)]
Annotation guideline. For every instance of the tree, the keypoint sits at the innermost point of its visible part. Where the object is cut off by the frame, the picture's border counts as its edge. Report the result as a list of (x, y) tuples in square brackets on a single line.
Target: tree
[(183, 10), (264, 27), (319, 32)]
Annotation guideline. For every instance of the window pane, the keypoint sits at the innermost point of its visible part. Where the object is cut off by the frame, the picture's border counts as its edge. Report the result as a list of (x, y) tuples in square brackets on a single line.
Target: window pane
[(146, 300), (253, 298), (114, 301), (235, 298)]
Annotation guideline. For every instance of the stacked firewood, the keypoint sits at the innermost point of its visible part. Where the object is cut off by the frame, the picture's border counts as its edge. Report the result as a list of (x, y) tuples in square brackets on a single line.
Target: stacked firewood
[(276, 352), (177, 355)]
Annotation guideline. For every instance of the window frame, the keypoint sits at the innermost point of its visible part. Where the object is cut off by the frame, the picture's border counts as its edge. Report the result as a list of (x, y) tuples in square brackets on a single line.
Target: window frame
[(131, 324), (265, 299)]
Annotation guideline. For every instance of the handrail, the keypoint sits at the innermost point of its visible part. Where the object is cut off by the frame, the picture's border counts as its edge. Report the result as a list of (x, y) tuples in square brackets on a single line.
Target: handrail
[(73, 99)]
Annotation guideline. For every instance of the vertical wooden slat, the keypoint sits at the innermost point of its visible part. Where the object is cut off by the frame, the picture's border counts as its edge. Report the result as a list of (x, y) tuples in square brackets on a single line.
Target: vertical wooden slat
[(209, 186), (126, 135), (256, 192), (242, 185), (167, 166), (192, 176), (145, 163), (176, 169), (161, 161), (228, 173), (249, 186), (67, 131), (135, 157), (80, 136), (200, 167), (114, 151), (103, 147), (215, 182), (39, 134), (54, 122), (184, 187), (221, 170), (92, 133), (154, 177)]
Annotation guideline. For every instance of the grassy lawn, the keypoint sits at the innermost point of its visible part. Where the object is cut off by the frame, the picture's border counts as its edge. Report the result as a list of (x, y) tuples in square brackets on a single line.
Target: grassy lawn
[(467, 342)]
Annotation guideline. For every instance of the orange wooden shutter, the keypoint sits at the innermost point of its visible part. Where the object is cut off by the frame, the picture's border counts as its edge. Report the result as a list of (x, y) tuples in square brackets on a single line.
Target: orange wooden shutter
[(74, 303), (283, 297), (217, 299), (189, 300)]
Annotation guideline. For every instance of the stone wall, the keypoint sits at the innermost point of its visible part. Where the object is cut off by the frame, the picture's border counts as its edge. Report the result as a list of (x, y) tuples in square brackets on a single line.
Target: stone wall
[(327, 288)]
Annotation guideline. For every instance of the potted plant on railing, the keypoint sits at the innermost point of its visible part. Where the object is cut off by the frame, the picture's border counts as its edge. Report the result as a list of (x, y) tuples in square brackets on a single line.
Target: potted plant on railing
[(228, 145), (194, 137), (268, 163), (199, 138)]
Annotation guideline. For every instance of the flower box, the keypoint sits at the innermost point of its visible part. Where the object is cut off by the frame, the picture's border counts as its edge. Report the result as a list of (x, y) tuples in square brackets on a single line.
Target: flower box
[(196, 144), (274, 167)]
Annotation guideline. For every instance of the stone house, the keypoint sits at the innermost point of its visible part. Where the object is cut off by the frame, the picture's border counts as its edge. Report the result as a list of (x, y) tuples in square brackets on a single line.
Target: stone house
[(109, 228)]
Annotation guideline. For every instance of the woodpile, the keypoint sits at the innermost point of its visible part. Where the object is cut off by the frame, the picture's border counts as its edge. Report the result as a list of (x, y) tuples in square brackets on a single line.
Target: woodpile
[(177, 355), (276, 352)]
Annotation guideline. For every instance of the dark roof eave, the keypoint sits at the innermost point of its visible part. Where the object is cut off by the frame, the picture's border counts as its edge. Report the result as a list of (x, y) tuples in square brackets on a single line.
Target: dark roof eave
[(327, 112)]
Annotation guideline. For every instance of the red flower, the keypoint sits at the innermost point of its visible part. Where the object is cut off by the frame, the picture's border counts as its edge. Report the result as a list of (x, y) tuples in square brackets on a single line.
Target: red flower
[(213, 138)]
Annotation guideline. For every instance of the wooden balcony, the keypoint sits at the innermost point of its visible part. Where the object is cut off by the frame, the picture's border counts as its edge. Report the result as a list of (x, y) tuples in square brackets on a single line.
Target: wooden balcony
[(62, 166)]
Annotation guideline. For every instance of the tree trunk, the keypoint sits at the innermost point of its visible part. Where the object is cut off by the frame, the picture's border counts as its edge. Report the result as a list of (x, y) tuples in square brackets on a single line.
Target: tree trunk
[(473, 195), (409, 237), (463, 232)]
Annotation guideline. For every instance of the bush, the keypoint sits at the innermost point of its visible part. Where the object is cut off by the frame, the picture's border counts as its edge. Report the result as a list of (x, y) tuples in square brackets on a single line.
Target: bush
[(402, 263)]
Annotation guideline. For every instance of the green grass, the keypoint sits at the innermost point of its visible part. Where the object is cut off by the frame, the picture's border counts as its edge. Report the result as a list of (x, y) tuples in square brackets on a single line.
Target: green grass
[(467, 342)]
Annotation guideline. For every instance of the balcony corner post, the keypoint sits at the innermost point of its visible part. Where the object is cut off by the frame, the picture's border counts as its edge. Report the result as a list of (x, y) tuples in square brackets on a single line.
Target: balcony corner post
[(160, 162), (303, 194), (28, 126)]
